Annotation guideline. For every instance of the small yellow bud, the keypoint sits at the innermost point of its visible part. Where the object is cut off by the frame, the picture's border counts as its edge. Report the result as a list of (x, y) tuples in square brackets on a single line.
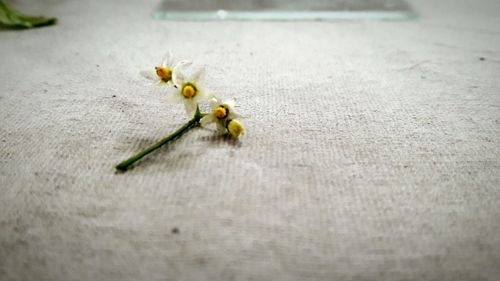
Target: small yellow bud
[(164, 73), (220, 112), (188, 91), (235, 128)]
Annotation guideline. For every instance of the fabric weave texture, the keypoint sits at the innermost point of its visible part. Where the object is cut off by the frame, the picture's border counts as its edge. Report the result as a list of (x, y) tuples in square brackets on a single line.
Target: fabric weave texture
[(371, 149)]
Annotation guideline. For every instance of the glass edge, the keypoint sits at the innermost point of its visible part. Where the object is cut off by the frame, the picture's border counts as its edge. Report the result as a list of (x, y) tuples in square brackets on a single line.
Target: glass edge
[(284, 15)]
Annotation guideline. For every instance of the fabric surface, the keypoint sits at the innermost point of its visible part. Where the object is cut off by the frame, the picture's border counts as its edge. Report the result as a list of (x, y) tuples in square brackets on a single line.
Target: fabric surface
[(372, 148)]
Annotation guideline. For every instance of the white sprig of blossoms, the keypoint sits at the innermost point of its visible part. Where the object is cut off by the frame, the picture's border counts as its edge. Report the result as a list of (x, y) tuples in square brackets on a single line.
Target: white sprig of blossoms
[(181, 82)]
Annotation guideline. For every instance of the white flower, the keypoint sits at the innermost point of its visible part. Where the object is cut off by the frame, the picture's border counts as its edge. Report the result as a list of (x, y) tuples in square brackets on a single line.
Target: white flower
[(220, 112), (162, 74), (188, 89)]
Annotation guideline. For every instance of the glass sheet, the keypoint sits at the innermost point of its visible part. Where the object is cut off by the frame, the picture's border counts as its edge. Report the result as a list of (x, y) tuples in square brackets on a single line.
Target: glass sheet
[(284, 10)]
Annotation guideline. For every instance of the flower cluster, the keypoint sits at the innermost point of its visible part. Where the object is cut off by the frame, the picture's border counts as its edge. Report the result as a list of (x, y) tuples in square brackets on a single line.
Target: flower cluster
[(181, 82)]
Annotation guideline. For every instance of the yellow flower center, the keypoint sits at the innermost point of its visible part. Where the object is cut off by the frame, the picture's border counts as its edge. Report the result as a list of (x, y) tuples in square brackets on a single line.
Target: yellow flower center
[(220, 112), (164, 73), (235, 128), (189, 90)]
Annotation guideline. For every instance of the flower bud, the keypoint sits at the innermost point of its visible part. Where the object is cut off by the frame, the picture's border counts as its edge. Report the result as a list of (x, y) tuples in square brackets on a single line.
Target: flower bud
[(235, 128)]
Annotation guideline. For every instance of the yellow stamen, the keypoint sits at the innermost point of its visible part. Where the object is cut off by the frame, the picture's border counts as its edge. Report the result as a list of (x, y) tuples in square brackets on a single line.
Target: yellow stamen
[(220, 112), (235, 128), (188, 91), (164, 73)]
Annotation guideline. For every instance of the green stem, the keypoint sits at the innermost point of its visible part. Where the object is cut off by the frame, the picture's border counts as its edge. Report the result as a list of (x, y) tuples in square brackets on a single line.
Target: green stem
[(123, 166)]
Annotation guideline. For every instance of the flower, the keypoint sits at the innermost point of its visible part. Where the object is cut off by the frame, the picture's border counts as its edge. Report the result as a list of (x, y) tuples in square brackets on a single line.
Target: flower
[(235, 128), (188, 89), (162, 74), (220, 112)]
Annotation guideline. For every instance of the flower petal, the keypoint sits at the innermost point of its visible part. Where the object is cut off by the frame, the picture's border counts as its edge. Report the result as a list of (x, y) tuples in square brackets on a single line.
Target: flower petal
[(214, 103), (178, 77), (190, 106), (173, 95), (199, 77), (235, 115), (149, 74), (208, 94), (229, 103), (167, 59), (182, 65), (207, 119), (201, 95)]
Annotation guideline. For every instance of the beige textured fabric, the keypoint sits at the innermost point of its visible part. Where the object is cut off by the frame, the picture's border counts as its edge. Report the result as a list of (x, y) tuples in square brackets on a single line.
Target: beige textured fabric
[(372, 149)]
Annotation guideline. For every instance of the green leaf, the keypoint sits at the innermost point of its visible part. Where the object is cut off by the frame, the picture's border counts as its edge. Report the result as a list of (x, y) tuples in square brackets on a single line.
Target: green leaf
[(10, 17)]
